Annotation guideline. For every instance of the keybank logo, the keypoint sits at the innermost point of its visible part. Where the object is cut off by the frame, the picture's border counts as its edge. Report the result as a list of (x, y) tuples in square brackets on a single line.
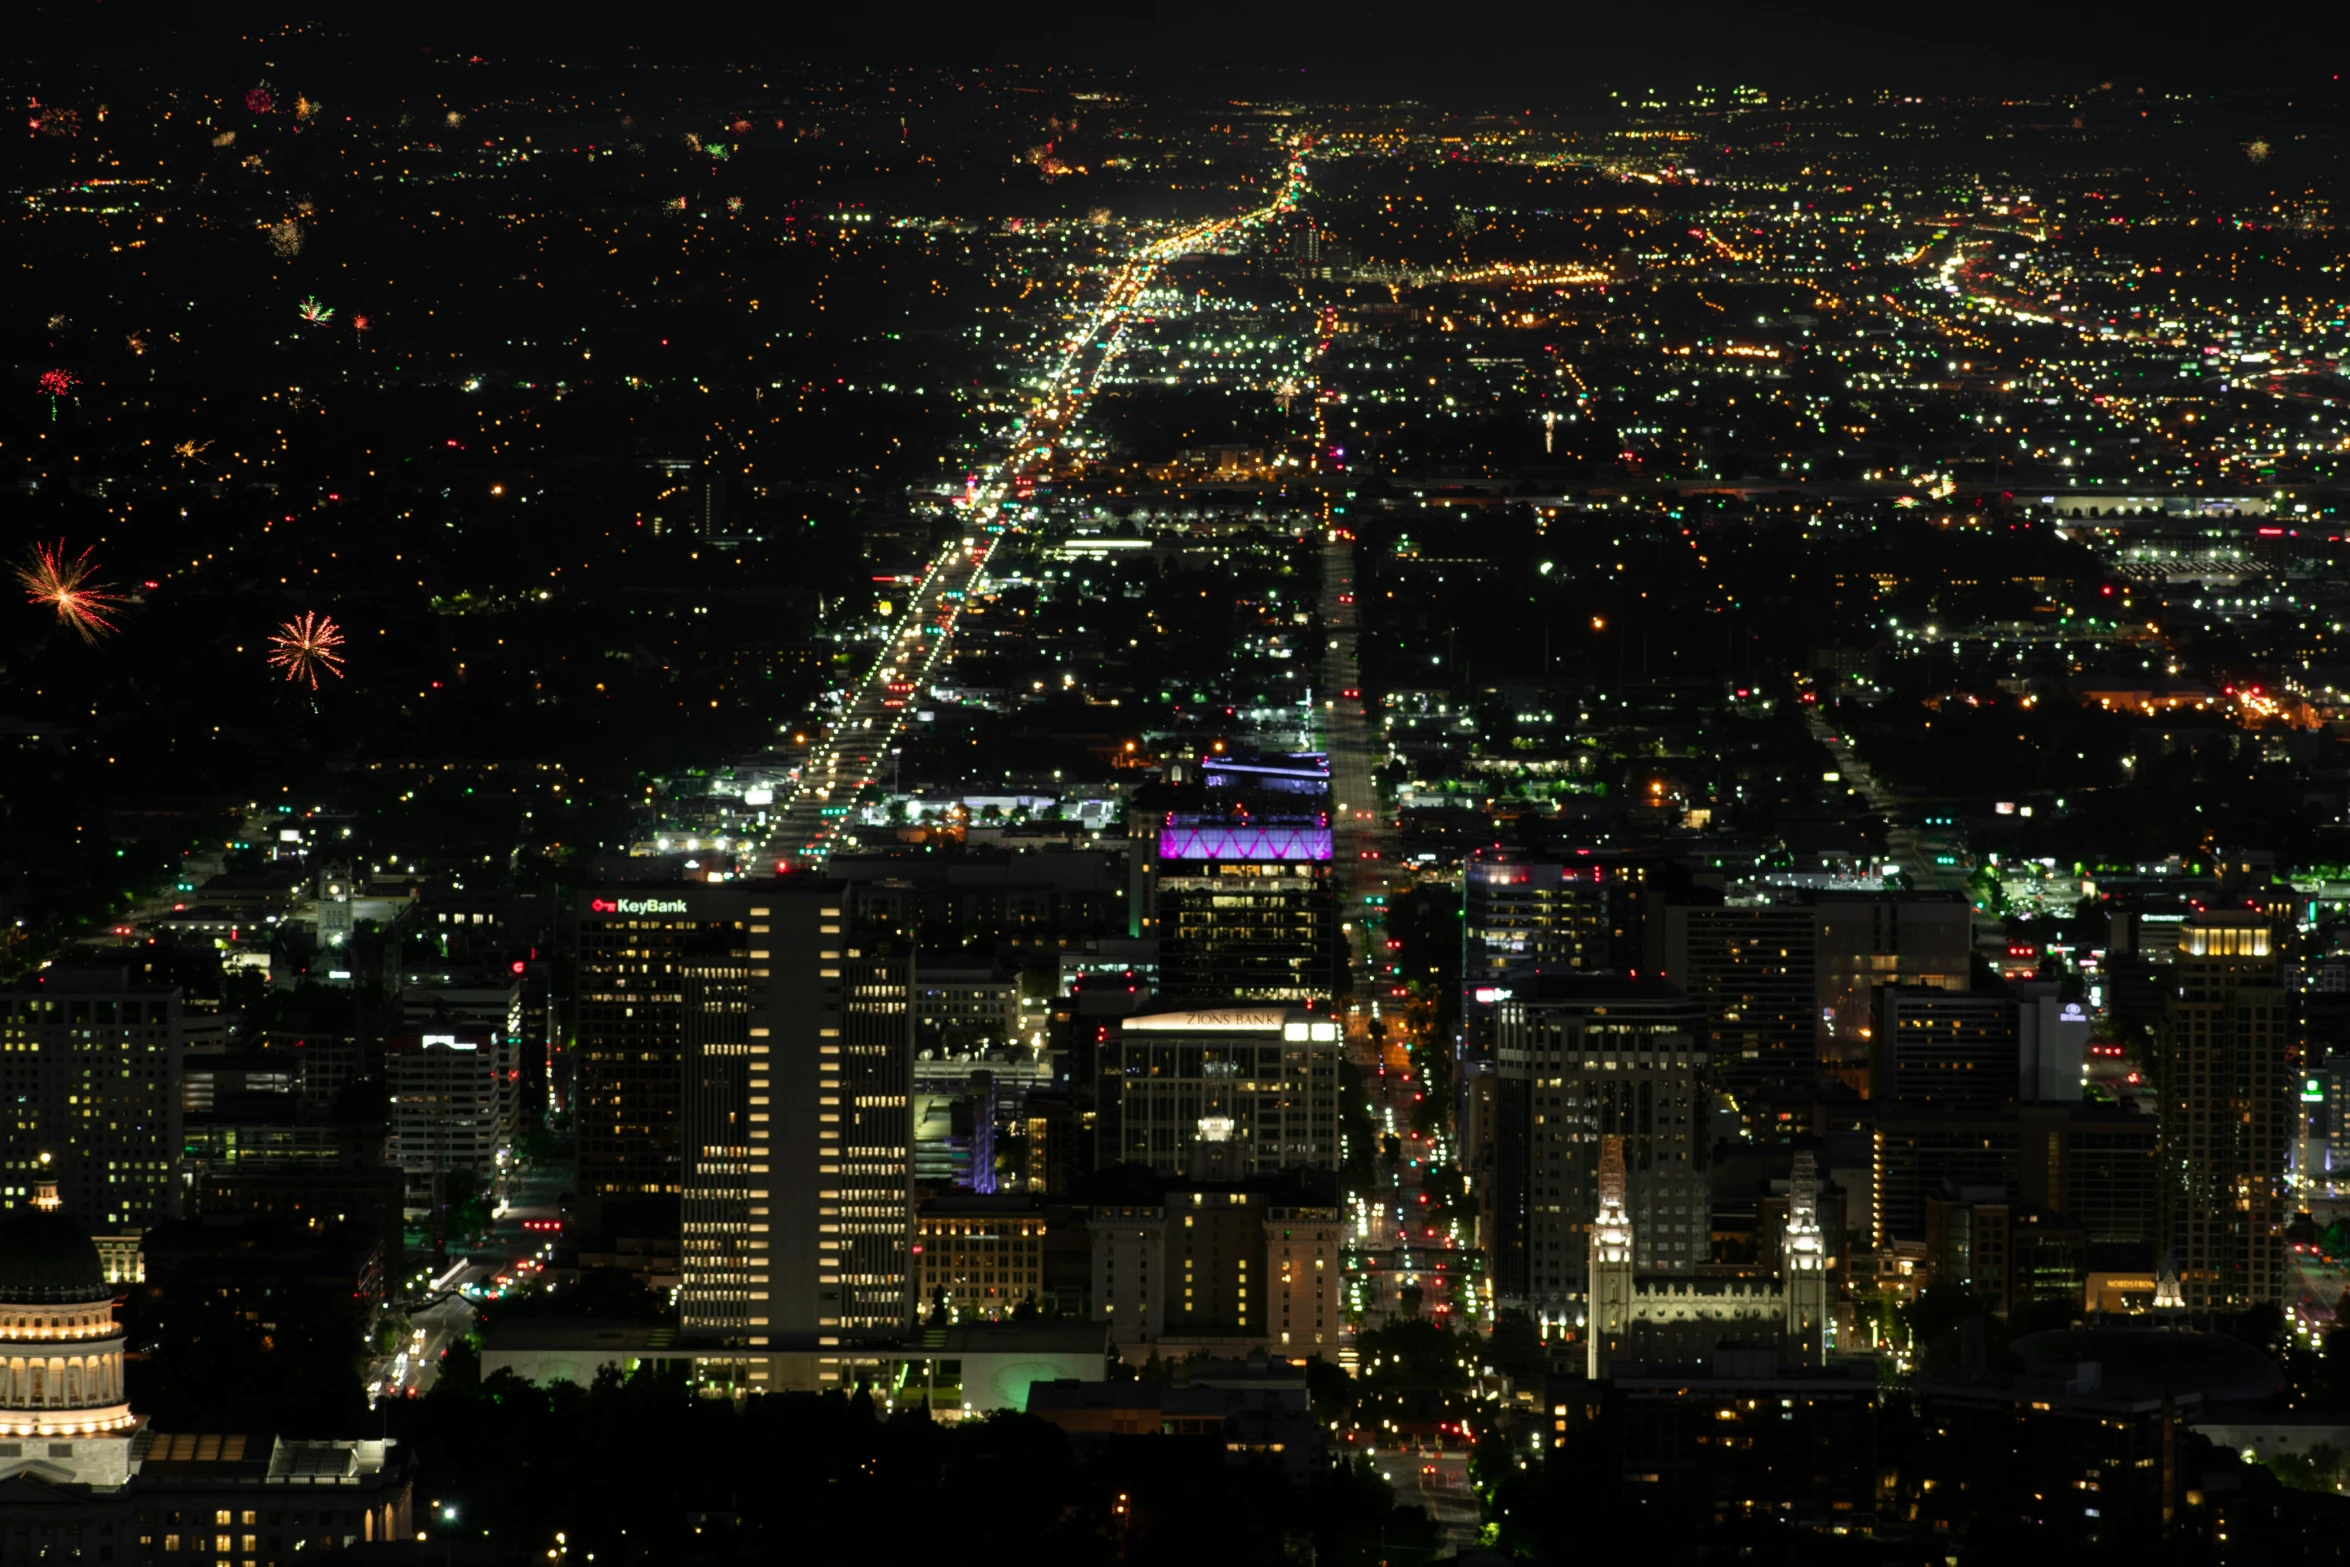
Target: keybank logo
[(636, 905)]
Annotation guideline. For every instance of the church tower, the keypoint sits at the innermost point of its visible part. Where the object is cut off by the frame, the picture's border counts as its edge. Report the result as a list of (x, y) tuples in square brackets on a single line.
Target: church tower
[(1610, 1314), (1806, 1266)]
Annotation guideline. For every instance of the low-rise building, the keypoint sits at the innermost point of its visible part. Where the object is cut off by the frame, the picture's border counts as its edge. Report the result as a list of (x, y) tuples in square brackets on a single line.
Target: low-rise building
[(1222, 1268), (978, 1256)]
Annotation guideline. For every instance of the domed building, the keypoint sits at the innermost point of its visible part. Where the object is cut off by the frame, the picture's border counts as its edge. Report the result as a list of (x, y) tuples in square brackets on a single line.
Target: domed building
[(62, 1409), (76, 1460)]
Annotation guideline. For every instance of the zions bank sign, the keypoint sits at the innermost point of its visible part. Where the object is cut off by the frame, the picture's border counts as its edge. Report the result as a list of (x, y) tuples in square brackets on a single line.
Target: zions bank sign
[(636, 905)]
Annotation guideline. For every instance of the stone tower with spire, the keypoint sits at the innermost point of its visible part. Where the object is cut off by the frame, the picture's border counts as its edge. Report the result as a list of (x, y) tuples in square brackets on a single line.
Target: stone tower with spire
[(1611, 1262)]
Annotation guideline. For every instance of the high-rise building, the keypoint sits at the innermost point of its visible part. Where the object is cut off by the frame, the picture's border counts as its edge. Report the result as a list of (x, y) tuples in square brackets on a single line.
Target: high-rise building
[(2052, 1040), (1550, 914), (1977, 1238), (90, 1095), (1263, 1080), (634, 947), (2223, 1070), (2091, 1163), (1945, 1047), (453, 1102), (1244, 909), (1867, 941), (1582, 1059), (797, 1073), (1753, 969), (1791, 987)]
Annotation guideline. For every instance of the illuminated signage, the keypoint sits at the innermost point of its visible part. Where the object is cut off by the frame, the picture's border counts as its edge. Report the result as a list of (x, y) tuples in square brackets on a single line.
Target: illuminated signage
[(2313, 1091), (636, 905), (2073, 1013)]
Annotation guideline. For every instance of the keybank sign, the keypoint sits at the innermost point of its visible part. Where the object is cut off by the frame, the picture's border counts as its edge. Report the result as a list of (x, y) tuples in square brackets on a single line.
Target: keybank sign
[(636, 905)]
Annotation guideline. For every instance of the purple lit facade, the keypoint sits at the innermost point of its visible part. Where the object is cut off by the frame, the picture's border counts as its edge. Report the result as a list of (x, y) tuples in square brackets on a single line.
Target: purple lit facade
[(1242, 840)]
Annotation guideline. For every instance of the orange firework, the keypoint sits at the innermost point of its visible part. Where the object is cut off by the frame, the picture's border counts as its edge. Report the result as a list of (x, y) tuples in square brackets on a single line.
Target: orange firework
[(306, 646), (64, 582)]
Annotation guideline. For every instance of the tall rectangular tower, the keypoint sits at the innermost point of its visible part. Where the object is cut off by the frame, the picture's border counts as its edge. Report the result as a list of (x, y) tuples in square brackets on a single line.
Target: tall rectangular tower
[(1944, 1047), (2222, 1068), (1523, 915), (635, 945), (1753, 970), (797, 1130), (1261, 1080), (1245, 910), (90, 1070), (1868, 941)]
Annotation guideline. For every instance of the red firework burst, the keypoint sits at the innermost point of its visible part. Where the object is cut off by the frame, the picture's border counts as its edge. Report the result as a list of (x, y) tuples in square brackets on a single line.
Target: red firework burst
[(259, 101), (306, 646), (64, 583), (58, 382)]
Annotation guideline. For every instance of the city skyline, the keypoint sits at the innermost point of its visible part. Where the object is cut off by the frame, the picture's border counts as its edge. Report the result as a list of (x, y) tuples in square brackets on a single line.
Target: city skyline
[(1207, 784)]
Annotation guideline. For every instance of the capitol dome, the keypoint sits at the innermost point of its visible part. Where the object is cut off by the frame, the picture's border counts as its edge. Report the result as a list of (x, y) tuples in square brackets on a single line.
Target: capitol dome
[(60, 1347), (47, 1260)]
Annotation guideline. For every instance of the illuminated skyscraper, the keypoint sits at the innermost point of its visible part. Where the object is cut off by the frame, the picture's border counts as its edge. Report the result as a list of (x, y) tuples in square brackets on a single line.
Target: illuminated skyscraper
[(634, 946), (2225, 1120), (798, 1133), (1244, 909), (1260, 1082), (1752, 969), (1550, 915)]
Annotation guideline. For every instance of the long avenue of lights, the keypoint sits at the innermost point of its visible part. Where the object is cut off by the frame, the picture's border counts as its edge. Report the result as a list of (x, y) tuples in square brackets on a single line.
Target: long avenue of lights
[(840, 767)]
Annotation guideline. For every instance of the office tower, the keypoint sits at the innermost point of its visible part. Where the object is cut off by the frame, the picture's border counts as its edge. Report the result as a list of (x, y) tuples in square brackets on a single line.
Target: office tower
[(634, 946), (797, 1071), (1129, 1268), (508, 998), (1261, 1080), (1582, 1061), (453, 1103), (1244, 909), (1956, 1048), (2052, 1040), (1791, 987), (90, 1095), (1049, 1138), (1753, 971), (1979, 1239), (963, 1012), (1866, 941), (1524, 915), (2092, 1163), (2223, 1072)]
